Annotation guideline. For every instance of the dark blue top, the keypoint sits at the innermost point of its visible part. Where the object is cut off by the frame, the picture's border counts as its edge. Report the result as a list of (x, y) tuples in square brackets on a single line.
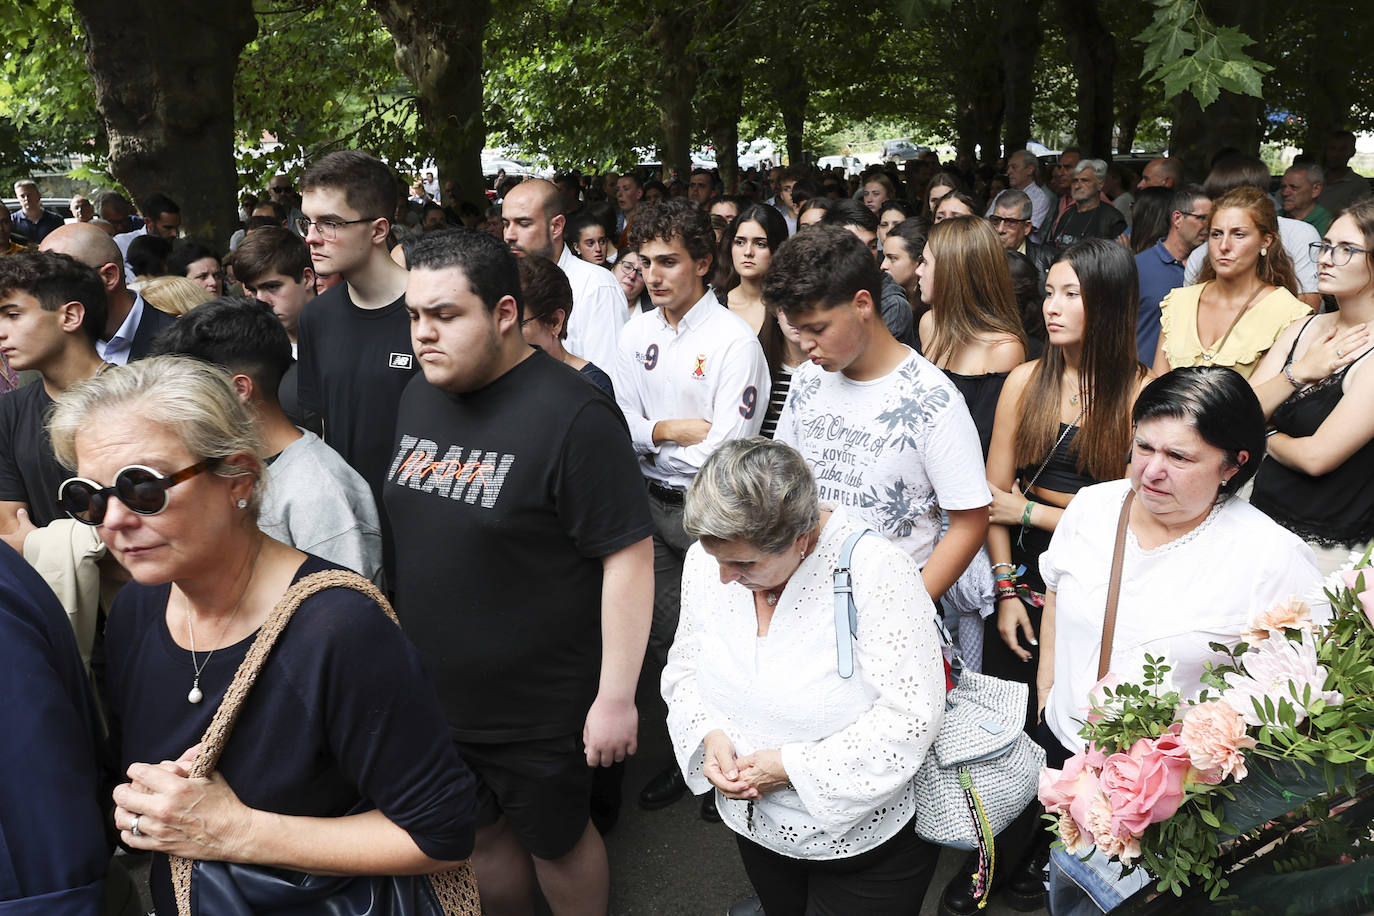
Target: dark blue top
[(1160, 274), (341, 713), (598, 377), (35, 232), (53, 846)]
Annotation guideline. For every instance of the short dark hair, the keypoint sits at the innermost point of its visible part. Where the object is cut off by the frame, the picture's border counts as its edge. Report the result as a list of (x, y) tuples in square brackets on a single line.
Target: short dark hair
[(239, 334), (1185, 197), (278, 211), (849, 212), (906, 208), (546, 290), (1220, 405), (155, 204), (270, 250), (54, 280), (1236, 171), (486, 262), (822, 267), (147, 255), (186, 252), (579, 222), (674, 219), (368, 184)]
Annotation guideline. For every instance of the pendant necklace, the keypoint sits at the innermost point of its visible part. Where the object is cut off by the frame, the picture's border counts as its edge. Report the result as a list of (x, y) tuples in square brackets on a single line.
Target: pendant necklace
[(196, 694)]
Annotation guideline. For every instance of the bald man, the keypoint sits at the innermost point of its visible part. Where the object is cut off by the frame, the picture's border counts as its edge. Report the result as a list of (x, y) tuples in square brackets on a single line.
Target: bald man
[(533, 220), (131, 323), (1164, 172)]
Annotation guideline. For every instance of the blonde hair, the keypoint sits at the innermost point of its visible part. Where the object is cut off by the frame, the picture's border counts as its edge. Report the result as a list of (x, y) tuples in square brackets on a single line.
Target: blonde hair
[(193, 399), (174, 295)]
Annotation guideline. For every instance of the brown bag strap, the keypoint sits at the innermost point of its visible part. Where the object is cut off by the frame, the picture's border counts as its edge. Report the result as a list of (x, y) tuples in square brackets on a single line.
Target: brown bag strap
[(222, 725), (1104, 659)]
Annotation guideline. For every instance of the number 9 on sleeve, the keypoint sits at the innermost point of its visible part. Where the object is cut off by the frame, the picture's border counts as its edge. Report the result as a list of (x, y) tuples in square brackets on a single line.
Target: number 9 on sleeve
[(749, 403)]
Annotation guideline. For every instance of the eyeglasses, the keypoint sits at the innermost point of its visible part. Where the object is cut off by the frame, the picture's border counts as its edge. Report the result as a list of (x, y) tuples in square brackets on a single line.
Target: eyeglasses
[(1194, 215), (1000, 222), (630, 269), (1340, 254), (328, 229), (140, 488)]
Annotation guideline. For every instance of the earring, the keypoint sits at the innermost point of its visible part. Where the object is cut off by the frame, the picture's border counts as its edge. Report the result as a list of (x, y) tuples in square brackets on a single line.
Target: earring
[(242, 503), (1264, 251)]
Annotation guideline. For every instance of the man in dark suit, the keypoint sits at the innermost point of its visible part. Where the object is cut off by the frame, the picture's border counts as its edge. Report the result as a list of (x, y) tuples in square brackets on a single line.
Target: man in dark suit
[(131, 323)]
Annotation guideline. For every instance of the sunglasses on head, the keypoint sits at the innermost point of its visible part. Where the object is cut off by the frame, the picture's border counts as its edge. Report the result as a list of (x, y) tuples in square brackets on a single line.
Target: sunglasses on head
[(139, 488)]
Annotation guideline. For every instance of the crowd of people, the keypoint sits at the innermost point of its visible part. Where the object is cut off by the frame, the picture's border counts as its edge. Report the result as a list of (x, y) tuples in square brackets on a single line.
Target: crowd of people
[(605, 445)]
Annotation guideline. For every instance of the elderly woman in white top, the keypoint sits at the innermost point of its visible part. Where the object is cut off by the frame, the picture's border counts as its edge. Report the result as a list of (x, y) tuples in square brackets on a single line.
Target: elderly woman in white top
[(1198, 564), (813, 770)]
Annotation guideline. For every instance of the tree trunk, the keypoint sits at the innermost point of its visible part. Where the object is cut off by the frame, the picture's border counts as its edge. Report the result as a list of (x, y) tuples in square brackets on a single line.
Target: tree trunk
[(676, 85), (164, 86), (792, 92), (439, 47), (1330, 91), (1130, 97), (1092, 49), (1018, 43), (1232, 120), (725, 135)]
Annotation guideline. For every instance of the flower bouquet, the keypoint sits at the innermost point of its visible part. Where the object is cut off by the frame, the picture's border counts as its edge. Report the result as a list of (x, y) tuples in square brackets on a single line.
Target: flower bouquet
[(1277, 744)]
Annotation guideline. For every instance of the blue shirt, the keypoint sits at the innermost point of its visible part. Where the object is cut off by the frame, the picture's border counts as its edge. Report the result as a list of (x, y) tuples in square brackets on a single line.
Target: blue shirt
[(1160, 274), (35, 232)]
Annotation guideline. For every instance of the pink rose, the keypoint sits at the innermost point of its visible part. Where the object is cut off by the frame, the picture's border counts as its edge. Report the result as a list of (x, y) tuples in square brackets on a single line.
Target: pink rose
[(1060, 789), (1145, 786), (1293, 614), (1351, 578), (1214, 735)]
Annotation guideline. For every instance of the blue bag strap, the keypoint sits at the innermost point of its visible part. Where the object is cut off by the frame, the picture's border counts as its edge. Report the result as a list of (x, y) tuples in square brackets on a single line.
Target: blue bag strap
[(846, 614)]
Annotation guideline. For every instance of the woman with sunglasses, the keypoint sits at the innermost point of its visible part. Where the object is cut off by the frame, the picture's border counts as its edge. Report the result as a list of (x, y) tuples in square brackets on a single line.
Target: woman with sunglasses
[(341, 717), (1315, 386)]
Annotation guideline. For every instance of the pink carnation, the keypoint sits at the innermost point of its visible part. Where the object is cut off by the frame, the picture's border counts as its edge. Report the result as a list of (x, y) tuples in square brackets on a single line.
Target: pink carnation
[(1076, 841), (1214, 736), (1110, 841), (1351, 578), (1293, 614), (1072, 789)]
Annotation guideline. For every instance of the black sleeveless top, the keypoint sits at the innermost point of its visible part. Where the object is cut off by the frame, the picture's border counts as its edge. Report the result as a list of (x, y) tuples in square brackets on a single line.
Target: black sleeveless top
[(1335, 509), (980, 394), (1061, 472)]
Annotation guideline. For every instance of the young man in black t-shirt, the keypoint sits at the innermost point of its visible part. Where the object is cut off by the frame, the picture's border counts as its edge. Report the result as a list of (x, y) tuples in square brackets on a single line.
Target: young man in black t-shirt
[(354, 340), (52, 310), (524, 569)]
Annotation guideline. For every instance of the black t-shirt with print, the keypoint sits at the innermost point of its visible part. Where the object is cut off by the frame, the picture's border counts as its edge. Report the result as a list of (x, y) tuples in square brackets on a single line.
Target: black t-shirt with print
[(503, 502), (354, 364)]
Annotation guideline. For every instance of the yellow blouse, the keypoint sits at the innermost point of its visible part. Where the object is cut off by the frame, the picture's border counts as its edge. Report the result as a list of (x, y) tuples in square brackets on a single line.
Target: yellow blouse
[(1252, 336)]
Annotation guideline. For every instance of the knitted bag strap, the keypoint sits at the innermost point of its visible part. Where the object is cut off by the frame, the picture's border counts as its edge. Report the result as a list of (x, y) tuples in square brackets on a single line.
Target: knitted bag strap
[(217, 735), (1104, 658)]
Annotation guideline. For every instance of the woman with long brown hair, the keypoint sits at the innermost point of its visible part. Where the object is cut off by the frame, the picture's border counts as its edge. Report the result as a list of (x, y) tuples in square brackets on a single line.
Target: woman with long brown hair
[(1063, 422), (1245, 294), (973, 330)]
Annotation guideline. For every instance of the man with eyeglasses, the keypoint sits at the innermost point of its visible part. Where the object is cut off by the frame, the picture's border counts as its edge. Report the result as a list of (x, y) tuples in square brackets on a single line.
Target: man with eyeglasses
[(1160, 269), (1012, 220), (783, 202), (1021, 169), (284, 195), (354, 339), (534, 224)]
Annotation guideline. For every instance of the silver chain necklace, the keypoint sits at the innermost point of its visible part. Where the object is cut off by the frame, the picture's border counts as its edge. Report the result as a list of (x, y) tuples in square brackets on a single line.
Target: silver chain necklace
[(196, 694)]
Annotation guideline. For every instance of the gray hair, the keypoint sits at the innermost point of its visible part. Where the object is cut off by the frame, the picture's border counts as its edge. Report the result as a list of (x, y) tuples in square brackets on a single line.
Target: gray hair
[(1011, 197), (1315, 173), (753, 490), (1026, 156), (1097, 165), (193, 399)]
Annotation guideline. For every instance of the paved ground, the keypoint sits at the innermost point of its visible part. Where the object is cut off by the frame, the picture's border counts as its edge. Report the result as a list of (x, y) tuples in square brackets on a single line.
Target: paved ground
[(672, 863)]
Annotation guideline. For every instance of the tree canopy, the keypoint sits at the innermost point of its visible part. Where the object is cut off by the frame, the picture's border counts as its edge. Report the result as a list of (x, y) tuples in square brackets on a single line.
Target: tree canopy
[(603, 83)]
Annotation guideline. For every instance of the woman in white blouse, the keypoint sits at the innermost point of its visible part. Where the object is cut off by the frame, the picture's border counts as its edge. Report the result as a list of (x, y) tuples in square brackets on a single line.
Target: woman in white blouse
[(1198, 564), (813, 771)]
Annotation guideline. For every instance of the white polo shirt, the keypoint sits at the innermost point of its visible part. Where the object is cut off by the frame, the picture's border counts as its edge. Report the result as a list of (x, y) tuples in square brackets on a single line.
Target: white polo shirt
[(598, 310), (710, 366)]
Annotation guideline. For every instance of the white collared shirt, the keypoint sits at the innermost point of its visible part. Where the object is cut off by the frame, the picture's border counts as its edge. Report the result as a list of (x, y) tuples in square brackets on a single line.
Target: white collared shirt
[(598, 310), (710, 366), (116, 350)]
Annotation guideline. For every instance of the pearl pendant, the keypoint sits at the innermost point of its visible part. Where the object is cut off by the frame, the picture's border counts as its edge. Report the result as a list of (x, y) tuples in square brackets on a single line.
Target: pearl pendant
[(195, 696)]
